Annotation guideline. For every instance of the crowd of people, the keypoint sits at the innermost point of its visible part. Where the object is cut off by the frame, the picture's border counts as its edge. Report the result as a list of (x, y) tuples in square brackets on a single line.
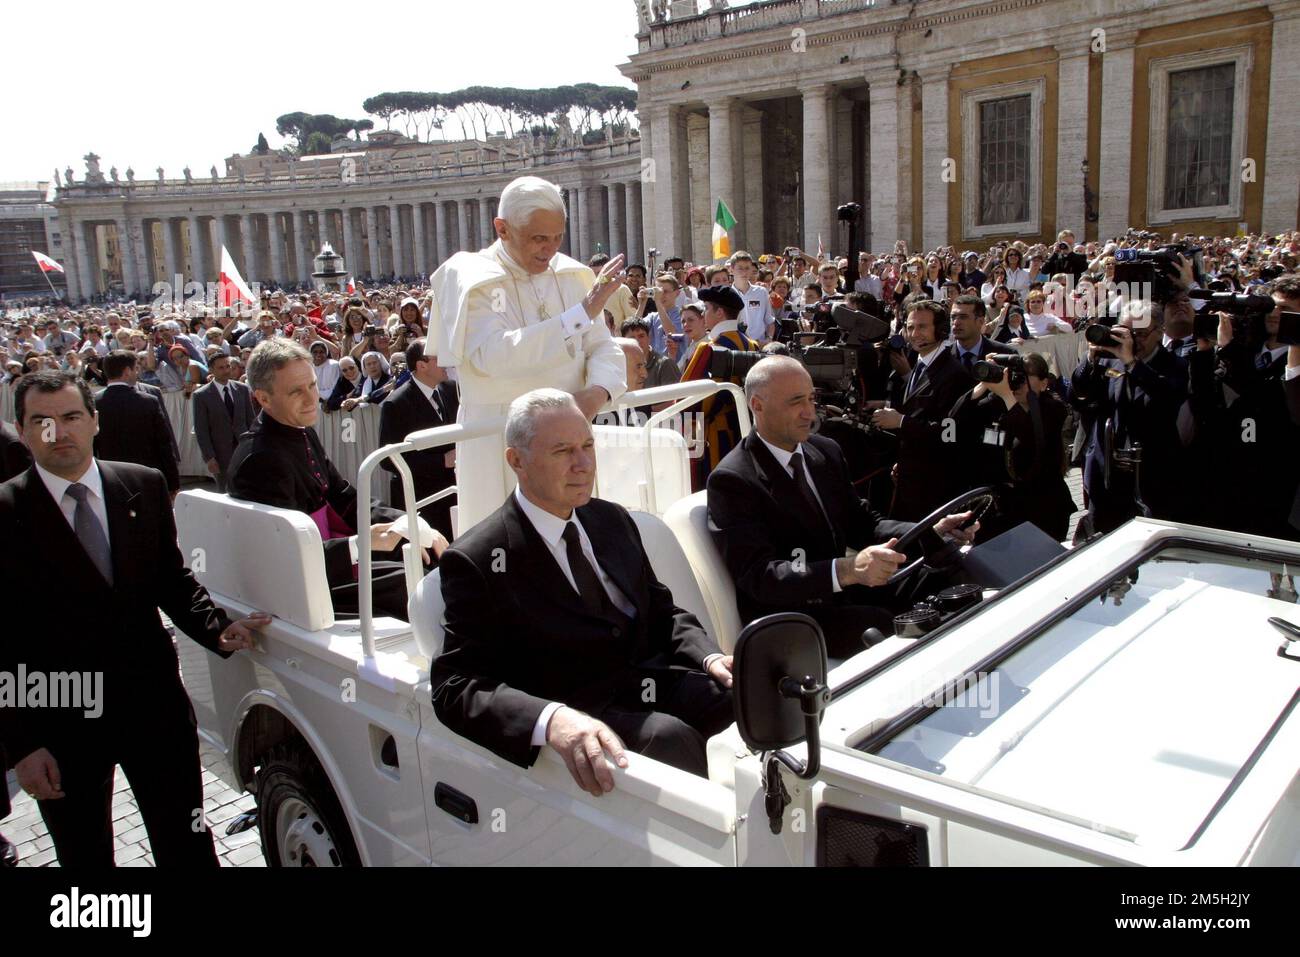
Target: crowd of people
[(1170, 413)]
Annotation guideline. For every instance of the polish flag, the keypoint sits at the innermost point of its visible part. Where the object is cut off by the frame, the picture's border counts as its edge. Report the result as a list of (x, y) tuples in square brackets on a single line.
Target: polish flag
[(352, 285), (231, 288), (46, 263)]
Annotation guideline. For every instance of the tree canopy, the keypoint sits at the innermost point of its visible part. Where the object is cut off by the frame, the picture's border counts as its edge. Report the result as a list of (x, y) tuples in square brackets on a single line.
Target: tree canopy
[(313, 133)]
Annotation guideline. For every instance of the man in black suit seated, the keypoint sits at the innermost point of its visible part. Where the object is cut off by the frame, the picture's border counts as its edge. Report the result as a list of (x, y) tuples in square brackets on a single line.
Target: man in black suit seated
[(926, 473), (784, 513), (425, 401), (558, 633), (132, 425), (107, 528), (970, 345), (280, 462)]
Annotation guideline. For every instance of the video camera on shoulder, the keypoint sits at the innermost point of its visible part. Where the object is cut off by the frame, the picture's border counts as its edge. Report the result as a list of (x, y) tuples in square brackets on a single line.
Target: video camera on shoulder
[(1157, 268), (1246, 310), (995, 367)]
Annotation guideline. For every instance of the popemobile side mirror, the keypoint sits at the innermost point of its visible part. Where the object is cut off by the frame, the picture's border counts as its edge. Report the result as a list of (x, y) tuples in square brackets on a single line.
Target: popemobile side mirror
[(780, 682)]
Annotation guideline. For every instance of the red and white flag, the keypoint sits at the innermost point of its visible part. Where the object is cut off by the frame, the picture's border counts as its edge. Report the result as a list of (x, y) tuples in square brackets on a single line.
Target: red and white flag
[(231, 288), (46, 263), (352, 285)]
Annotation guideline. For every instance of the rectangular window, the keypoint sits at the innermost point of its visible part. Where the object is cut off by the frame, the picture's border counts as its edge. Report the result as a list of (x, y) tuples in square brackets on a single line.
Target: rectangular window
[(1004, 160), (1199, 130)]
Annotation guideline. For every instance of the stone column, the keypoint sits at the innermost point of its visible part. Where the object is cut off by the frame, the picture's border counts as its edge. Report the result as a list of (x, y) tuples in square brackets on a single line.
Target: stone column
[(722, 182), (143, 255), (617, 242), (198, 249), (351, 253), (126, 249), (1116, 143), (300, 248), (248, 247), (397, 239), (71, 267), (581, 234), (1072, 133), (275, 238), (934, 150), (462, 225), (816, 168), (486, 234), (223, 242), (374, 266), (421, 265), (599, 232), (440, 232), (670, 185), (171, 250), (882, 143), (632, 211), (87, 259), (1281, 180)]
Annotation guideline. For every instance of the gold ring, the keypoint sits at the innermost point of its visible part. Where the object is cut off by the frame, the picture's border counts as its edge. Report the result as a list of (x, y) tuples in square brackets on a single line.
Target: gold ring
[(602, 280)]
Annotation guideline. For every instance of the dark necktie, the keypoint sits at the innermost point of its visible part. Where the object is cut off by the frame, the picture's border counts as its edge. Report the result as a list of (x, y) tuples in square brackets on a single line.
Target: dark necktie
[(230, 403), (968, 360), (594, 597), (90, 532), (437, 406), (1263, 361), (918, 376), (805, 489)]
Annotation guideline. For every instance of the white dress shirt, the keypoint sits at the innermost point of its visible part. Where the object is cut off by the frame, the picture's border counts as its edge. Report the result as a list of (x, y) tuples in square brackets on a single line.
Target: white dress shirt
[(440, 407), (58, 489), (783, 459), (551, 529)]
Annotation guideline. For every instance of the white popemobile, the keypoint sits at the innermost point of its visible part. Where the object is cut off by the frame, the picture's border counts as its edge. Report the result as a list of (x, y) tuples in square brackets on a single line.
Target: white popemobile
[(1133, 701)]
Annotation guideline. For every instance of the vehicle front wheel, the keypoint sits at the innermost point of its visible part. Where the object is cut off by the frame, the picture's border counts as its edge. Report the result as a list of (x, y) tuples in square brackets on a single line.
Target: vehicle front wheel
[(300, 819)]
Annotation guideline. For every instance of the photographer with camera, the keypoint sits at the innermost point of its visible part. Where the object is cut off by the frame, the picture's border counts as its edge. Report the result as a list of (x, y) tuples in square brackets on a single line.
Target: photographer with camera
[(1129, 390), (925, 473), (1247, 391)]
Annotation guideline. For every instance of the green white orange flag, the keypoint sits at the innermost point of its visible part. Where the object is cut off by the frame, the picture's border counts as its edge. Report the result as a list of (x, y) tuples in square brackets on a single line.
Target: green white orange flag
[(722, 223)]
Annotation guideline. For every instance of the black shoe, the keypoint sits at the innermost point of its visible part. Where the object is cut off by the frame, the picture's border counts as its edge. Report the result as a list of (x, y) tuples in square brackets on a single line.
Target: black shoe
[(8, 853)]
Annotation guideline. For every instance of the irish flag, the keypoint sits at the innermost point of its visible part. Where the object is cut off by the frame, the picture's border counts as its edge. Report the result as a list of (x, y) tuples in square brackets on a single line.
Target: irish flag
[(722, 223), (231, 288), (46, 263)]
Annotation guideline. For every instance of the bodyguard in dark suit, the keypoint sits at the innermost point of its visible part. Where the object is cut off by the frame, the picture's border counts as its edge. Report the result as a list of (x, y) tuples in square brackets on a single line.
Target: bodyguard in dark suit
[(927, 476), (969, 344), (108, 529), (783, 511), (558, 632), (427, 400), (1138, 387), (223, 411), (132, 426)]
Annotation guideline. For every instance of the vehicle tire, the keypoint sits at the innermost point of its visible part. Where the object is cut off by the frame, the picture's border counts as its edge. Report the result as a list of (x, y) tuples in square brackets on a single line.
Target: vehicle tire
[(299, 816)]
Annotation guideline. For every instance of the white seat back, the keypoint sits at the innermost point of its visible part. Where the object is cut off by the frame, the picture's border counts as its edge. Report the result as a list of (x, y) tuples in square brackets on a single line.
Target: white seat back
[(269, 558), (620, 466), (689, 521), (425, 610), (672, 568)]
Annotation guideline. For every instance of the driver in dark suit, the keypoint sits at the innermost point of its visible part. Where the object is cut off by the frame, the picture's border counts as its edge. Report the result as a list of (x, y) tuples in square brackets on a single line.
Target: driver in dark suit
[(793, 532)]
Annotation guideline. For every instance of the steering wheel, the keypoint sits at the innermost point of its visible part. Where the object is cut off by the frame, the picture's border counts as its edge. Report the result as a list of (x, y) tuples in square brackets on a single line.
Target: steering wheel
[(936, 552)]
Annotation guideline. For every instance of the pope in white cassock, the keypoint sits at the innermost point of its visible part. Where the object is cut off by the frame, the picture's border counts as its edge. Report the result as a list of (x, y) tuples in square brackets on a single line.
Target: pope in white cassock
[(519, 316)]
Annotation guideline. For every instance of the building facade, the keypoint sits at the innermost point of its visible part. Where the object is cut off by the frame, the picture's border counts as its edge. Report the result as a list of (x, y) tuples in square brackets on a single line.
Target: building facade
[(952, 122), (28, 222), (961, 122)]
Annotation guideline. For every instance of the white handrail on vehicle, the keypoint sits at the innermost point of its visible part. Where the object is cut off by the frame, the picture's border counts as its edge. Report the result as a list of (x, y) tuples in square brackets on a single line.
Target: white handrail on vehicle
[(682, 394)]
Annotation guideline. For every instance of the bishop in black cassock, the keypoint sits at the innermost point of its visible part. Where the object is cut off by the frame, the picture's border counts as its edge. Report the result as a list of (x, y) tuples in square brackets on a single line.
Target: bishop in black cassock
[(286, 467)]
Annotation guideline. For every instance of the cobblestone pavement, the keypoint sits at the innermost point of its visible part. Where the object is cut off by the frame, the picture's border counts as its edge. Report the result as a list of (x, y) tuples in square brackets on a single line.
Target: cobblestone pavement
[(26, 829)]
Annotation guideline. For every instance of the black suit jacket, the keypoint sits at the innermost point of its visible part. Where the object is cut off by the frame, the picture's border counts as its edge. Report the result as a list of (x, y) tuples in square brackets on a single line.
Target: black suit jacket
[(983, 348), (133, 428), (407, 411), (76, 621), (779, 556), (157, 393), (14, 456), (214, 430), (518, 636), (926, 474)]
